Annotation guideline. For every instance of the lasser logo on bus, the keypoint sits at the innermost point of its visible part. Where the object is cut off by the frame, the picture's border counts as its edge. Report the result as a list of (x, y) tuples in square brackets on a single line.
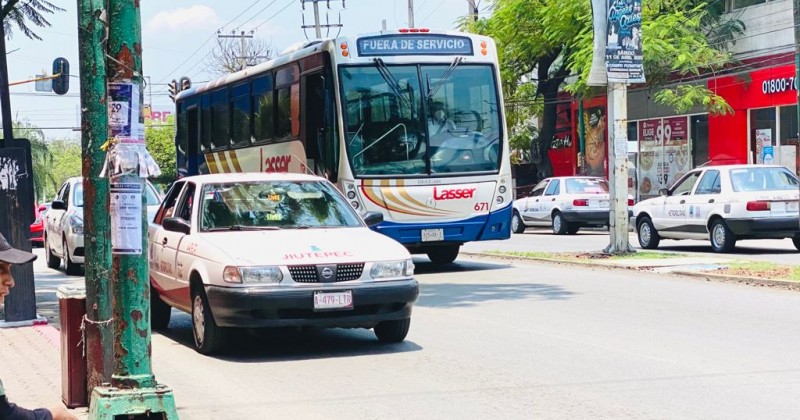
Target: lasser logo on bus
[(277, 163), (454, 194)]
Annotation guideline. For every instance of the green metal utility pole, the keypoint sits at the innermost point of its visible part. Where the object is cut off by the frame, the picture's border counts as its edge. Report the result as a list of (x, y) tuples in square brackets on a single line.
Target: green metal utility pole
[(133, 390), (99, 338)]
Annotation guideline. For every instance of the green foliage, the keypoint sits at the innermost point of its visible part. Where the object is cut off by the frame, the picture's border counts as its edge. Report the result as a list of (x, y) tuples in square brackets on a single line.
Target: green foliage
[(66, 161), (24, 13), (41, 156), (160, 140), (685, 97)]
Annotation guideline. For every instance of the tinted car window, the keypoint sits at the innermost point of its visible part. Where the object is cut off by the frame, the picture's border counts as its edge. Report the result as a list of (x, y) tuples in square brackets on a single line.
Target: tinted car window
[(586, 186), (709, 183), (278, 204), (762, 179), (552, 189)]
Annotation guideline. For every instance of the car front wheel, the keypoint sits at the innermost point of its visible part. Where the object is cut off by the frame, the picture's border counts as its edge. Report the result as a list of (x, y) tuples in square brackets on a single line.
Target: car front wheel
[(208, 337), (443, 254), (70, 267), (160, 312), (722, 239), (52, 261), (648, 236), (392, 331), (517, 225)]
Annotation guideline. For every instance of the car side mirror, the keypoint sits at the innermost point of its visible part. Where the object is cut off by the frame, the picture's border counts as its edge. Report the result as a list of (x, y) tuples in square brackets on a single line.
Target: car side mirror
[(58, 205), (373, 218), (176, 224), (664, 192)]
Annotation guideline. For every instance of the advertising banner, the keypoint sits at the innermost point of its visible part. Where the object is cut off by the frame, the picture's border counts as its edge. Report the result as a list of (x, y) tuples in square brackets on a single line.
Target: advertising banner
[(664, 153), (594, 120), (624, 42)]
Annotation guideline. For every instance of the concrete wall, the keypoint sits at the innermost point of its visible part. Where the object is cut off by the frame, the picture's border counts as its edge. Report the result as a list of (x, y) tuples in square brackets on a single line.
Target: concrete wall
[(769, 29)]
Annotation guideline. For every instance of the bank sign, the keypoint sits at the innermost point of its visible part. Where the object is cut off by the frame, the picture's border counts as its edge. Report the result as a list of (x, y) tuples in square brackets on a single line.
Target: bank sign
[(416, 44)]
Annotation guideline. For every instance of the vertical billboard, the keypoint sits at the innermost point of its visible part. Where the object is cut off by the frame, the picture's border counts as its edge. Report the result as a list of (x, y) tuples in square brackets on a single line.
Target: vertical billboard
[(624, 42), (594, 120), (664, 153)]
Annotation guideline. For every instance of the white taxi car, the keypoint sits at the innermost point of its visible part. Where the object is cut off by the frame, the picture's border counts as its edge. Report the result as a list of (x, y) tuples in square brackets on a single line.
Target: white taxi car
[(274, 250), (723, 204), (564, 203)]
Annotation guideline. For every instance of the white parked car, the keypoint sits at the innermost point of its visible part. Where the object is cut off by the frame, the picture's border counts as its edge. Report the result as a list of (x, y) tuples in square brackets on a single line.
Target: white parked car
[(723, 204), (564, 203), (63, 231), (274, 250)]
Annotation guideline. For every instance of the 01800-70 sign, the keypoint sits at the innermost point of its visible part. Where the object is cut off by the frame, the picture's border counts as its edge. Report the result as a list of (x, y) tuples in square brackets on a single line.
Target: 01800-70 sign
[(779, 84)]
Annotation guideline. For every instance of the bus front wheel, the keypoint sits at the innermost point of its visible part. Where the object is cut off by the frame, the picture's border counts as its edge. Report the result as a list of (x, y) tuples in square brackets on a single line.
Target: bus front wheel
[(443, 254)]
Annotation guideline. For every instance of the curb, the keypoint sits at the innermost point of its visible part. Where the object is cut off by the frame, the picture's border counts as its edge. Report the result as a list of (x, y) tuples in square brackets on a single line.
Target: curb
[(708, 276)]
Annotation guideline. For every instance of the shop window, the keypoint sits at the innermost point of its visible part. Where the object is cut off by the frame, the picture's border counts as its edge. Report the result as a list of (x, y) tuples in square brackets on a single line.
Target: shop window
[(789, 127), (762, 132), (699, 136)]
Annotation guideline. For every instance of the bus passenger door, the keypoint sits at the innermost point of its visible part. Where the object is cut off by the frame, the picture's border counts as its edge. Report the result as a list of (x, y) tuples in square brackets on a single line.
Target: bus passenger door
[(314, 129)]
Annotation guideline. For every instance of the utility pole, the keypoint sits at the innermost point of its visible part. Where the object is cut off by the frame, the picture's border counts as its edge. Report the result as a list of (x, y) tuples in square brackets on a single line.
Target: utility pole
[(243, 54), (133, 391), (99, 337), (5, 96), (410, 13), (317, 28), (473, 9), (618, 166), (317, 20)]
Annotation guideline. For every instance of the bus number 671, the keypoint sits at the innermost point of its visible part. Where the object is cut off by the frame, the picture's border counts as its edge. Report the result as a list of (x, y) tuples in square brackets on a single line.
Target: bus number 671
[(484, 206)]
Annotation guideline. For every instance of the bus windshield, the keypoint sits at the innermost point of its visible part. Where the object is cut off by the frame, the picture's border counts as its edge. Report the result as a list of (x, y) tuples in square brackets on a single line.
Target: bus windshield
[(418, 120)]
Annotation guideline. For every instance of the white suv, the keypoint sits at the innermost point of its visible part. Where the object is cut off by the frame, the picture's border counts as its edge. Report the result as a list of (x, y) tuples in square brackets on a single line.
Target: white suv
[(723, 204), (63, 231)]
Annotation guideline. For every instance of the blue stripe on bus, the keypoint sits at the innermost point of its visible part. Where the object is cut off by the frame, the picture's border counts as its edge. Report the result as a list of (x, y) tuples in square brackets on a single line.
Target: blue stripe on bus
[(492, 226)]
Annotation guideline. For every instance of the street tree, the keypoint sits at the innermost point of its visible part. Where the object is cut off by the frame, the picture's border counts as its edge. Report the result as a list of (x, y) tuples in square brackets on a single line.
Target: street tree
[(41, 157), (231, 54), (23, 13), (66, 160), (160, 140), (551, 42)]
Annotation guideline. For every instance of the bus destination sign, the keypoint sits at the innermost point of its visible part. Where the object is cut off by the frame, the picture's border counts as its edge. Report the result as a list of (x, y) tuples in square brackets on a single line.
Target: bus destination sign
[(417, 44)]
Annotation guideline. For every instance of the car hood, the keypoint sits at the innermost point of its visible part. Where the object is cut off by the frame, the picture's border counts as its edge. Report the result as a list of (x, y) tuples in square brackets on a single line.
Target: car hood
[(302, 246)]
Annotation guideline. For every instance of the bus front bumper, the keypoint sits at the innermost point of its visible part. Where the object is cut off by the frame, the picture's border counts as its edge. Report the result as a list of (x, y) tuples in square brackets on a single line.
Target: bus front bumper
[(492, 226)]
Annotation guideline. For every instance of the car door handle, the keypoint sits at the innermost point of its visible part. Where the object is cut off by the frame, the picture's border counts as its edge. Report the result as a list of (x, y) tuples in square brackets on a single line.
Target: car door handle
[(683, 202), (710, 200), (164, 241), (553, 199)]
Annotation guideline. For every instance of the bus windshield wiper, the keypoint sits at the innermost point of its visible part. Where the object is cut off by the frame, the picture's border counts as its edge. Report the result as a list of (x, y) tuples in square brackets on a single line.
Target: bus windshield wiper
[(443, 78), (387, 76)]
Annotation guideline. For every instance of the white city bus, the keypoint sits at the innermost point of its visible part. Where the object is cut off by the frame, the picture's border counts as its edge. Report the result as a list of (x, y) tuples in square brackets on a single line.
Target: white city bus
[(409, 123)]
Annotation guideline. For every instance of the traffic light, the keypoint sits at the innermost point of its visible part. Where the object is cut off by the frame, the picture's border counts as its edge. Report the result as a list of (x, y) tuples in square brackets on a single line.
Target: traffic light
[(173, 89), (61, 69), (186, 83)]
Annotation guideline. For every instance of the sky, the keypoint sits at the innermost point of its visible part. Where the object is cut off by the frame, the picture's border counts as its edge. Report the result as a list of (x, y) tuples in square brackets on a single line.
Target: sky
[(178, 36)]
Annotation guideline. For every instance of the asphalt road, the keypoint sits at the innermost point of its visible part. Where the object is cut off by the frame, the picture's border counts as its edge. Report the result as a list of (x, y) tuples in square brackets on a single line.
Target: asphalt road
[(780, 251), (525, 341)]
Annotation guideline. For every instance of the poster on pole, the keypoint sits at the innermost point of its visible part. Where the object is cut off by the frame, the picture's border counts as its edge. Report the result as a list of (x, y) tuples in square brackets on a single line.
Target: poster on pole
[(624, 61), (126, 218), (125, 119)]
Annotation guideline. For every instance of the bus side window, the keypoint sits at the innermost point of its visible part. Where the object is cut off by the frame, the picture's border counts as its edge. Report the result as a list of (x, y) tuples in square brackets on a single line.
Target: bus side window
[(240, 132), (205, 118), (263, 109), (220, 119)]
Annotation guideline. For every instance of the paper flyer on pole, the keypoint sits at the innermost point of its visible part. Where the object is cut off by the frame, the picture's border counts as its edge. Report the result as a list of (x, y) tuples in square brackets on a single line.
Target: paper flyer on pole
[(126, 218)]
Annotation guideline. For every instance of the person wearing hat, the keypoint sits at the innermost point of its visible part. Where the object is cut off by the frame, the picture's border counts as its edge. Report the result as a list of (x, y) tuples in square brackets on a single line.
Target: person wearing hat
[(8, 411)]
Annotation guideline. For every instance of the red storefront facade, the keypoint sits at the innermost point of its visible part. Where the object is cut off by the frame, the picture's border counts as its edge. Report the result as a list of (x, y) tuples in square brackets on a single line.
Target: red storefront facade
[(763, 121)]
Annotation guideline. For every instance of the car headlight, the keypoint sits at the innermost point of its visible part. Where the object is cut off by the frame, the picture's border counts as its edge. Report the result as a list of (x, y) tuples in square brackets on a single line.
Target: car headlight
[(76, 223), (392, 269), (252, 275)]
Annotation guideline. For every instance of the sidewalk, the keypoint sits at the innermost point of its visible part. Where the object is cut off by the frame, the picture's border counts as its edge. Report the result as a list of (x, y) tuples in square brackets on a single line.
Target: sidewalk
[(30, 366)]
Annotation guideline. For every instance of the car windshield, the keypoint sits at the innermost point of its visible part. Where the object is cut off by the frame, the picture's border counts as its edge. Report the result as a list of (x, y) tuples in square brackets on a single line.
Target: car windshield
[(273, 205), (421, 119), (762, 179), (586, 186)]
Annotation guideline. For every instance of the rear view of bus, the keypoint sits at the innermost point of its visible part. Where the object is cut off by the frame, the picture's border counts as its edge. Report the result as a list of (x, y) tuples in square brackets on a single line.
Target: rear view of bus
[(424, 136)]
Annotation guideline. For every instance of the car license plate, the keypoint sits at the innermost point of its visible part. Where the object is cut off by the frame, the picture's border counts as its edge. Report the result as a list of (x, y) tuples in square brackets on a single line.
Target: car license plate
[(333, 300), (792, 206), (431, 235), (604, 204)]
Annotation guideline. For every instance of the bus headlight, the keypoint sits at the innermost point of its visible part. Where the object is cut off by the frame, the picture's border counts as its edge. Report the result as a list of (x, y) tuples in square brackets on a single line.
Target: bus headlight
[(355, 205), (500, 199), (351, 195)]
